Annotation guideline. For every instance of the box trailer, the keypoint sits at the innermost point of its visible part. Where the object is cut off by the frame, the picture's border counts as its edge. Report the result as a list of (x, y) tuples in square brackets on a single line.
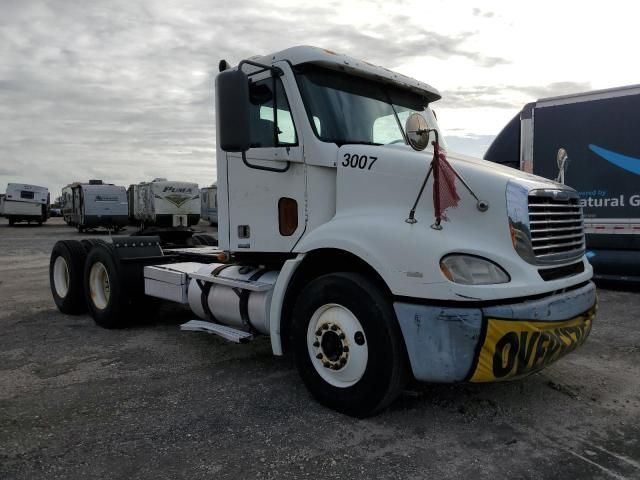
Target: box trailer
[(163, 203), (25, 203), (587, 141), (95, 204), (333, 241), (209, 204)]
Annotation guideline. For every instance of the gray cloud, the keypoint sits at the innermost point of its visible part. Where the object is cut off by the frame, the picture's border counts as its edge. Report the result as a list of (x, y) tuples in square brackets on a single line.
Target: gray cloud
[(502, 96), (8, 171), (473, 145), (122, 90), (555, 89), (478, 12)]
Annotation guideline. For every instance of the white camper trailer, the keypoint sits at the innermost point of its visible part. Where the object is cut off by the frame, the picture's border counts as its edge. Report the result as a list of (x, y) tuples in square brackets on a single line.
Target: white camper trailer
[(209, 204), (25, 203), (163, 203), (95, 204)]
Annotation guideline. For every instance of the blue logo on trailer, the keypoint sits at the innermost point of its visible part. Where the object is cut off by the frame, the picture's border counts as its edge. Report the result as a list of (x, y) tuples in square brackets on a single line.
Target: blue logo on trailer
[(630, 164)]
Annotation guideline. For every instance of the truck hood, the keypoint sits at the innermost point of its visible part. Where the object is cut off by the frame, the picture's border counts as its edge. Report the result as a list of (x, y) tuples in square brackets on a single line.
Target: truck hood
[(488, 180), (375, 190)]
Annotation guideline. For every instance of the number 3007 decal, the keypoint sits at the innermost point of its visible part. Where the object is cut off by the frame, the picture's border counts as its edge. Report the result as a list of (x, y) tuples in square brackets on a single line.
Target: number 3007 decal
[(358, 161)]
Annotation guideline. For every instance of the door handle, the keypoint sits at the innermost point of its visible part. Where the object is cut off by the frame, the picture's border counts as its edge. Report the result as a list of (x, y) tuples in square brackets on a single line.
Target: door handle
[(261, 167)]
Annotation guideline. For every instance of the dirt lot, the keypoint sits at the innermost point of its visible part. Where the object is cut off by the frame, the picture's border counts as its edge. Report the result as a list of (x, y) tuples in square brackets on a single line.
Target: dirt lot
[(77, 401)]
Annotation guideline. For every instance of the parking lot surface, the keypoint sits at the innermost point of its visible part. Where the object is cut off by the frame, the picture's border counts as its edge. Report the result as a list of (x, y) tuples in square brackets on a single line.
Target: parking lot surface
[(150, 401)]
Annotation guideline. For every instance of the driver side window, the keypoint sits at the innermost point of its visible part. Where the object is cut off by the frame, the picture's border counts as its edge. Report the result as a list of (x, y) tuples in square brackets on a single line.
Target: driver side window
[(271, 122)]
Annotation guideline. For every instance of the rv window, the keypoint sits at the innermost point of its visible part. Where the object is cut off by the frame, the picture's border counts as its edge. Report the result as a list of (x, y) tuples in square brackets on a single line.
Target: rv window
[(26, 194)]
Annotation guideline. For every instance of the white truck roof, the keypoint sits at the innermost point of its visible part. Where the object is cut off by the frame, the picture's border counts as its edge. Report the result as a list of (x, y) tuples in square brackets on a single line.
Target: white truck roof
[(337, 61)]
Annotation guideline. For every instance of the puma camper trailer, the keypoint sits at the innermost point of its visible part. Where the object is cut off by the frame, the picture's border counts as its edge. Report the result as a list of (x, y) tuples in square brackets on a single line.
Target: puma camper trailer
[(163, 203)]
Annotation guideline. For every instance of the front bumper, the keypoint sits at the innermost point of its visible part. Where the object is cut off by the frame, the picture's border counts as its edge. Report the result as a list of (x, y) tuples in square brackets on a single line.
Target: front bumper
[(494, 343)]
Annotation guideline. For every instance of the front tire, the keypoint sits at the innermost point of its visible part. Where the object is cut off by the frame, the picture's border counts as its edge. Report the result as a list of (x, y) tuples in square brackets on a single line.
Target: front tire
[(348, 346)]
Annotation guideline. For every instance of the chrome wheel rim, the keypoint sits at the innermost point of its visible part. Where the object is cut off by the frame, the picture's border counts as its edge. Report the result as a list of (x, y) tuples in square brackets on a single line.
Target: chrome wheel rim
[(99, 285)]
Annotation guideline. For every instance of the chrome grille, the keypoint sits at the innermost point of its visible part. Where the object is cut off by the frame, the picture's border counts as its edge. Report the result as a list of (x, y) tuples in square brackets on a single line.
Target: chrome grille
[(555, 225)]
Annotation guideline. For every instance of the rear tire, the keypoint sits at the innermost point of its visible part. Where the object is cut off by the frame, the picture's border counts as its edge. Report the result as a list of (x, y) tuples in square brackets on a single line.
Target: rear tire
[(11, 222), (208, 240), (89, 243), (348, 346), (104, 287), (66, 270)]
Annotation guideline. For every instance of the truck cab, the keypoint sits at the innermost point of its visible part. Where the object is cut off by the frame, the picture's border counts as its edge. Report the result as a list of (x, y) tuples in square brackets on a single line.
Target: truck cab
[(326, 172), (329, 242)]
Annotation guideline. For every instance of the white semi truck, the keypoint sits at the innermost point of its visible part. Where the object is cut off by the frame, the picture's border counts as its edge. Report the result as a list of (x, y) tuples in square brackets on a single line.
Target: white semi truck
[(25, 203), (328, 244)]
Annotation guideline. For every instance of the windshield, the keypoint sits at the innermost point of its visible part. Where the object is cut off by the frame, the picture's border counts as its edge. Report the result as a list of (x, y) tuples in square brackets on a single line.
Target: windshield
[(346, 109)]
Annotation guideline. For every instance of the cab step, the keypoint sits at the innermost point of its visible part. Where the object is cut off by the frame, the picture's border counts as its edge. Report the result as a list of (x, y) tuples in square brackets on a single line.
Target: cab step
[(228, 333)]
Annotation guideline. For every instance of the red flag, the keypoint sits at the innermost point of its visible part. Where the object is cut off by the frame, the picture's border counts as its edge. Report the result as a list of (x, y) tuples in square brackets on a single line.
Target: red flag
[(444, 184)]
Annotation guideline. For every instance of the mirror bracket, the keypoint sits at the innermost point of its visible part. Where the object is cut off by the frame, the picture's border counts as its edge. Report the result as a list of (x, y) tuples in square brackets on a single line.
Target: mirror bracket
[(276, 71)]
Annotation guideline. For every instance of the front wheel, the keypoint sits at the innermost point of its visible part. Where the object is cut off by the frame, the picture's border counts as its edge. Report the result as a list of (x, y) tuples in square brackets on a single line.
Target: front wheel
[(348, 346)]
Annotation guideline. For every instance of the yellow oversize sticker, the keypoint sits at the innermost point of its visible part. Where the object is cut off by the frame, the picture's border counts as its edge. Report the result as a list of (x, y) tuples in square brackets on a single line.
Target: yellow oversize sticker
[(516, 348)]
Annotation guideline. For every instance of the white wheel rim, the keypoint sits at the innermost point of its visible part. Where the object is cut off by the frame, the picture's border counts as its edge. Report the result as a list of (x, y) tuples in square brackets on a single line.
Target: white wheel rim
[(99, 285), (337, 345), (61, 277)]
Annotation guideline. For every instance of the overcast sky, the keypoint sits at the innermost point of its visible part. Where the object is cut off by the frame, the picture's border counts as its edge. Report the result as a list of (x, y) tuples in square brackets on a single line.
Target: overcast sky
[(122, 90)]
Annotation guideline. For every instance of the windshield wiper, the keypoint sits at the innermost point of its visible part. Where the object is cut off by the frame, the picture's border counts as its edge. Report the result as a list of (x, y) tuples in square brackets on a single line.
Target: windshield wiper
[(395, 114)]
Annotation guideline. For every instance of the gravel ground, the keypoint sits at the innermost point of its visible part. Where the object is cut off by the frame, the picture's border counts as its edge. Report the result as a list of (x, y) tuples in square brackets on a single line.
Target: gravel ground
[(77, 401)]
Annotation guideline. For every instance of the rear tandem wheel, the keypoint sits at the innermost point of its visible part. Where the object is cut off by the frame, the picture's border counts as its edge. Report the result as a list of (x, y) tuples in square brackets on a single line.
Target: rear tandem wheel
[(66, 267)]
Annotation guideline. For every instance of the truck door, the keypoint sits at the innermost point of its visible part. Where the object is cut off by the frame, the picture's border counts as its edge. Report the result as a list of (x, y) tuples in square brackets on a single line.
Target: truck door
[(266, 188)]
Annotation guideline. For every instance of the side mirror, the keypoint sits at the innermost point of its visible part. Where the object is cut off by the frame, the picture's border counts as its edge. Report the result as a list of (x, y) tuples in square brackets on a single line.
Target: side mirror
[(417, 132), (232, 111)]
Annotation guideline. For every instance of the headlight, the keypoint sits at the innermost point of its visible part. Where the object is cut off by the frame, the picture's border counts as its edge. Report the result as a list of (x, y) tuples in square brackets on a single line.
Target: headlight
[(472, 270)]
